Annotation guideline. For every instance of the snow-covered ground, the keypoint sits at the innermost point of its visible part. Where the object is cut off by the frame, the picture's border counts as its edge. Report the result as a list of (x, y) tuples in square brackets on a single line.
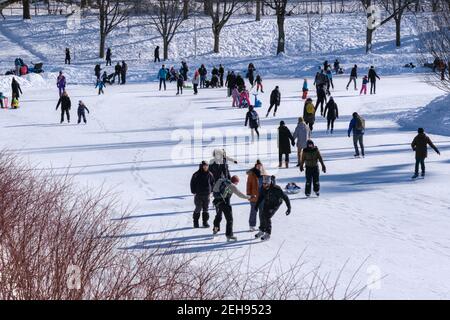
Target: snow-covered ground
[(146, 144)]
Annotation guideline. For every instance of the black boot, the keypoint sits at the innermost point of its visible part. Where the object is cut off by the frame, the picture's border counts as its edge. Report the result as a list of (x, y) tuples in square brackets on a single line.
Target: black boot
[(196, 225)]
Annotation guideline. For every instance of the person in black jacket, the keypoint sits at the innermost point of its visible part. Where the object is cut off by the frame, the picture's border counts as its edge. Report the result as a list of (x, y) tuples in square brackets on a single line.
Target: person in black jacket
[(275, 99), (251, 73), (321, 98), (82, 112), (108, 57), (67, 60), (285, 139), (331, 112), (230, 82), (203, 72), (271, 197), (117, 72), (240, 83), (15, 88), (97, 71), (221, 73), (66, 104), (202, 184), (353, 76), (252, 120), (157, 54), (373, 76), (124, 70)]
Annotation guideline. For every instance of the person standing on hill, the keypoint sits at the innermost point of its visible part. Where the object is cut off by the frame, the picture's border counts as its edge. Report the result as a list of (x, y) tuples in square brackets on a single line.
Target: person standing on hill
[(358, 126), (285, 139), (271, 198), (108, 57), (373, 76), (66, 104), (302, 134), (156, 54), (331, 112), (310, 158), (275, 100), (202, 184), (309, 113), (420, 146), (68, 58), (353, 76)]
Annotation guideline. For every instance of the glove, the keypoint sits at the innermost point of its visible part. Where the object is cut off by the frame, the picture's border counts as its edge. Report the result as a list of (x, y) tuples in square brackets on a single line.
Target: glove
[(235, 162), (293, 144), (349, 135), (438, 152), (324, 169), (301, 168), (288, 212)]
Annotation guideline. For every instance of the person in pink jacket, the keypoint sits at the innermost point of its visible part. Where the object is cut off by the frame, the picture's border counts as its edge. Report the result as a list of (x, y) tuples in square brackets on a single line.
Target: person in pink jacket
[(244, 98)]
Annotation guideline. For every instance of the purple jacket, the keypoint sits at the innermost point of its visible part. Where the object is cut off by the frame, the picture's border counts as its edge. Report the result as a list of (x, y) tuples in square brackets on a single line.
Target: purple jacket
[(61, 82)]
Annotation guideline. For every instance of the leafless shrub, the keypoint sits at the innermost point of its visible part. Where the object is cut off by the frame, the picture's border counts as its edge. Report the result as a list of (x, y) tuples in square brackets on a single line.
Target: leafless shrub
[(60, 242)]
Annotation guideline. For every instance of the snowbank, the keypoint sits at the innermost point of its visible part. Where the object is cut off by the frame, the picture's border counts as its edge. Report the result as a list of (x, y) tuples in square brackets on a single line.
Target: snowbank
[(43, 80), (434, 117)]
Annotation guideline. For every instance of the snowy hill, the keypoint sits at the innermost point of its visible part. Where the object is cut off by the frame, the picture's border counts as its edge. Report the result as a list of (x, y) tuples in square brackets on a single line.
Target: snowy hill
[(146, 144)]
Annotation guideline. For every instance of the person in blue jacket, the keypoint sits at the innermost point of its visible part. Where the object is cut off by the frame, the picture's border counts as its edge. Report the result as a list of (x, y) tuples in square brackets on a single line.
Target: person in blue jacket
[(358, 126), (162, 75)]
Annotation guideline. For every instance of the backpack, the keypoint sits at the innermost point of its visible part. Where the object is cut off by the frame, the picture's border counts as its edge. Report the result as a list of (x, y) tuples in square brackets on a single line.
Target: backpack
[(220, 189), (310, 108), (360, 124)]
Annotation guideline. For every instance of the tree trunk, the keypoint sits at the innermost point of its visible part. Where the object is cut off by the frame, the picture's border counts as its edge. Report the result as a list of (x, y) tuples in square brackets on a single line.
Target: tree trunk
[(166, 48), (398, 32), (26, 9), (369, 35), (281, 34), (102, 45), (185, 9), (83, 4), (310, 38), (216, 40), (258, 10)]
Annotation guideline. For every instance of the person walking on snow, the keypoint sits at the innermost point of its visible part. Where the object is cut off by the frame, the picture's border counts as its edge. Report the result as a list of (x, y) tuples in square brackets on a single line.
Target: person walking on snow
[(196, 81), (330, 80), (271, 198), (230, 82), (202, 184), (337, 66), (61, 83), (82, 112), (331, 112), (310, 158), (180, 83), (259, 84), (100, 85), (373, 76), (222, 191), (302, 134), (254, 185), (353, 76), (309, 113), (236, 98), (244, 98), (156, 54), (420, 146), (358, 126), (97, 71), (275, 100), (203, 72), (221, 74), (162, 75), (108, 57), (365, 81), (321, 99), (252, 119), (66, 104), (15, 88), (124, 70), (285, 139), (68, 58), (251, 74)]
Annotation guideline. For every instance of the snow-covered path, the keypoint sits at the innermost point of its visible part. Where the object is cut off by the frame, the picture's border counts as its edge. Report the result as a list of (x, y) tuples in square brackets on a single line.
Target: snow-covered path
[(369, 208)]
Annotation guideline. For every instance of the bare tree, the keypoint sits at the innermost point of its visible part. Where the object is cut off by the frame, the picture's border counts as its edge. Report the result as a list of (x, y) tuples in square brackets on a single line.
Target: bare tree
[(169, 17), (220, 12), (258, 10), (111, 14), (281, 11), (26, 9), (435, 39), (313, 20), (397, 8)]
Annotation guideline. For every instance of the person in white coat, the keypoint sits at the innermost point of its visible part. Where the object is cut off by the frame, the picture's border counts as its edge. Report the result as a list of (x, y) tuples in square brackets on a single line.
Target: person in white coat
[(301, 134)]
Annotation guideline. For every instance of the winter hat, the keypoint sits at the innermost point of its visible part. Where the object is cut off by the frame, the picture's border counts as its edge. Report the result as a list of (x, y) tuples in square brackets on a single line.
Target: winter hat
[(235, 179), (258, 162), (309, 142), (420, 130), (355, 114), (300, 120), (204, 163), (282, 123)]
